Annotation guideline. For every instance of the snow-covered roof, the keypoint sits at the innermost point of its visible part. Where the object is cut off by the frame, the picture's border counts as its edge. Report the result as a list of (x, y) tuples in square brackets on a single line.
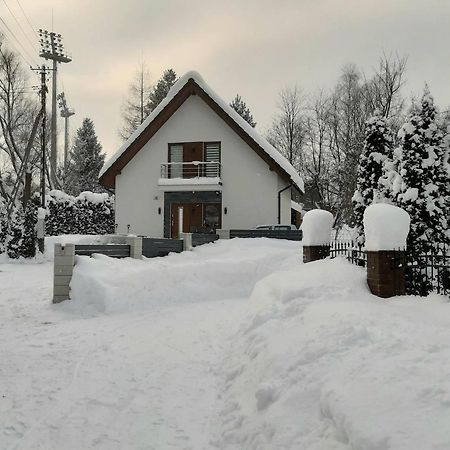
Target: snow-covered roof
[(271, 151)]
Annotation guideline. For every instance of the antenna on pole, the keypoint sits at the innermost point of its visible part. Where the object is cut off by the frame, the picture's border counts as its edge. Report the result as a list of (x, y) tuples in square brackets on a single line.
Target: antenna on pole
[(52, 49)]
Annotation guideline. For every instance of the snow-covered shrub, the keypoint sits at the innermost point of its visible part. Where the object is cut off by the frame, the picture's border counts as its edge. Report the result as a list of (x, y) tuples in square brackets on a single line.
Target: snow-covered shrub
[(89, 213), (15, 233), (20, 231), (377, 149), (3, 226)]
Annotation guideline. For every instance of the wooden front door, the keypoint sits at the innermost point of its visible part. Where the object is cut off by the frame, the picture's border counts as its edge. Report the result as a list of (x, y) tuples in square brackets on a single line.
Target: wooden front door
[(189, 214), (193, 151)]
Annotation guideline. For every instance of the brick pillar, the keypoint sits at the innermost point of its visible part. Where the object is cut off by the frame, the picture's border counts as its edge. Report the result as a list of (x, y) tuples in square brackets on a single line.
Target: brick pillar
[(315, 252), (62, 272), (386, 272)]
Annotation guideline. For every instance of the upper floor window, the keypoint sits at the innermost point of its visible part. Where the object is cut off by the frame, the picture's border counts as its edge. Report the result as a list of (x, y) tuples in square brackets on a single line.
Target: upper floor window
[(194, 159)]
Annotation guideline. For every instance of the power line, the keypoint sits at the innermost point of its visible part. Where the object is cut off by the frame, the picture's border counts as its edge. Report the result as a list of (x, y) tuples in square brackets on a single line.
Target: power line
[(15, 38), (20, 26), (28, 20)]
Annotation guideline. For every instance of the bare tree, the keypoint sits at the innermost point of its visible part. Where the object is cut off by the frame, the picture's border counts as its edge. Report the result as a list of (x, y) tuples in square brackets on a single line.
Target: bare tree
[(135, 107), (383, 91), (19, 120), (287, 133)]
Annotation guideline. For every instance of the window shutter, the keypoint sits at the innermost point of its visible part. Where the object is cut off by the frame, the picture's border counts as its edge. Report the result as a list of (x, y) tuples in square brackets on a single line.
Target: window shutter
[(212, 154), (176, 159)]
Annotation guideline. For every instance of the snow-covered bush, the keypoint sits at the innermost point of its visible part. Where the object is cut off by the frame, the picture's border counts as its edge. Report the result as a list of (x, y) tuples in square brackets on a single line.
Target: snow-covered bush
[(3, 225), (89, 213)]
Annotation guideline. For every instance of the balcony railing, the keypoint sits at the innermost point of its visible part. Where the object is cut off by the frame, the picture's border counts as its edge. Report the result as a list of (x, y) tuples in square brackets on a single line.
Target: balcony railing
[(194, 169)]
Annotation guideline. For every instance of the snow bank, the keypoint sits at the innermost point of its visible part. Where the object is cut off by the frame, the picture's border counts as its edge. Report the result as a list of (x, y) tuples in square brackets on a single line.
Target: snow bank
[(321, 364), (386, 227), (110, 285), (316, 227)]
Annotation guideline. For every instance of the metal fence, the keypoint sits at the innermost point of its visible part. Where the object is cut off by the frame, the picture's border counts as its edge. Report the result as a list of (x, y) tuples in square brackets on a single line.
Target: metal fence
[(152, 247), (427, 273), (203, 238), (291, 235), (111, 250), (348, 249)]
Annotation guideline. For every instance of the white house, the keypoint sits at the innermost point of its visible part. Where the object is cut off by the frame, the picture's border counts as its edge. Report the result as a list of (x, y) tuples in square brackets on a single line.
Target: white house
[(195, 165)]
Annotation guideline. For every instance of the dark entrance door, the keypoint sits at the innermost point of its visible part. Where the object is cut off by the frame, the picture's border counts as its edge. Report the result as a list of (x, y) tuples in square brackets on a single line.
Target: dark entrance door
[(190, 215), (193, 151)]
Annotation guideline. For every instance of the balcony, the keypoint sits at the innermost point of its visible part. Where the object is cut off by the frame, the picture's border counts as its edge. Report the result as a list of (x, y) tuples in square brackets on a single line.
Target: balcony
[(189, 173)]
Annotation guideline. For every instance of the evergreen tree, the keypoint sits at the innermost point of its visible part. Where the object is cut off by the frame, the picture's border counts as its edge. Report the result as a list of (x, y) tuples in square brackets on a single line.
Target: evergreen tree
[(241, 108), (161, 89), (86, 160), (377, 149), (424, 178)]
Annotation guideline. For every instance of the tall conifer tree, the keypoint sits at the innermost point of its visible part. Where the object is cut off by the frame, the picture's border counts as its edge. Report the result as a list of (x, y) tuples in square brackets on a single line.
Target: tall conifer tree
[(161, 88), (86, 161), (424, 178), (377, 149), (242, 109)]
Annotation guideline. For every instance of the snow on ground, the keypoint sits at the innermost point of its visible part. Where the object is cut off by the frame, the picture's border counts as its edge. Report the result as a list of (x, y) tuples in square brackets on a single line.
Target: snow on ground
[(236, 345)]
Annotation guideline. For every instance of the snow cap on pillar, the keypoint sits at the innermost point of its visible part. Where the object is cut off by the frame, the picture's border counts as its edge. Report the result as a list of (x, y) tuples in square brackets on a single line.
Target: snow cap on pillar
[(316, 227), (386, 227)]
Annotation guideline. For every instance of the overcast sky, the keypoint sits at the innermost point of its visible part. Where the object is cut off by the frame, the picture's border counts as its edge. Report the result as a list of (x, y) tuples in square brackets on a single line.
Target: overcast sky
[(250, 47)]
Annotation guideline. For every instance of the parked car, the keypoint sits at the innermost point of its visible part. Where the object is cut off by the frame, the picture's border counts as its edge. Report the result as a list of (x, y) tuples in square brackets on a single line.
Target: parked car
[(275, 227)]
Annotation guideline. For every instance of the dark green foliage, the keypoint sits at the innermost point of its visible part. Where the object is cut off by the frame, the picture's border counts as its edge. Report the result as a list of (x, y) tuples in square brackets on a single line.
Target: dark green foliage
[(86, 161), (161, 88), (377, 148), (241, 108)]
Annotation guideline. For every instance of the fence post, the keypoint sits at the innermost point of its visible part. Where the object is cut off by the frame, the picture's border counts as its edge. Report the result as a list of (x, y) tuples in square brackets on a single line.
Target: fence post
[(386, 228), (135, 244), (62, 271), (223, 234), (187, 241), (316, 227)]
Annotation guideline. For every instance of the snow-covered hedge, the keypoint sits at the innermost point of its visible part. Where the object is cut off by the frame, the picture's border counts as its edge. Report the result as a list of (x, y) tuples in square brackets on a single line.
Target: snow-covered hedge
[(89, 213)]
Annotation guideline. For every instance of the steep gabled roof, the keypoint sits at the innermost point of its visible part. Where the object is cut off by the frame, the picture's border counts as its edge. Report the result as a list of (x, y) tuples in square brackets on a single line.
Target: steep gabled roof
[(193, 84)]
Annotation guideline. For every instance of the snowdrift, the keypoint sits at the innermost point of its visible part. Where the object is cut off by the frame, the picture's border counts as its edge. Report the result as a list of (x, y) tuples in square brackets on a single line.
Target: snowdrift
[(320, 363)]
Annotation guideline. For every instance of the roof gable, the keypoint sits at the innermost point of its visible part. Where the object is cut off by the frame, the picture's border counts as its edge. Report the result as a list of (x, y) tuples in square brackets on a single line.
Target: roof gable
[(192, 84)]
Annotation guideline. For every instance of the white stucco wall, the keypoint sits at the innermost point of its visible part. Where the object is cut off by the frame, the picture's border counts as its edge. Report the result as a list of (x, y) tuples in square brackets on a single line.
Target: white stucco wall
[(249, 190)]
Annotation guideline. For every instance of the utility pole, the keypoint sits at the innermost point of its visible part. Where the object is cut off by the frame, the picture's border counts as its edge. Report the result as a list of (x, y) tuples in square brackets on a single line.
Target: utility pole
[(43, 93), (66, 112), (52, 49)]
